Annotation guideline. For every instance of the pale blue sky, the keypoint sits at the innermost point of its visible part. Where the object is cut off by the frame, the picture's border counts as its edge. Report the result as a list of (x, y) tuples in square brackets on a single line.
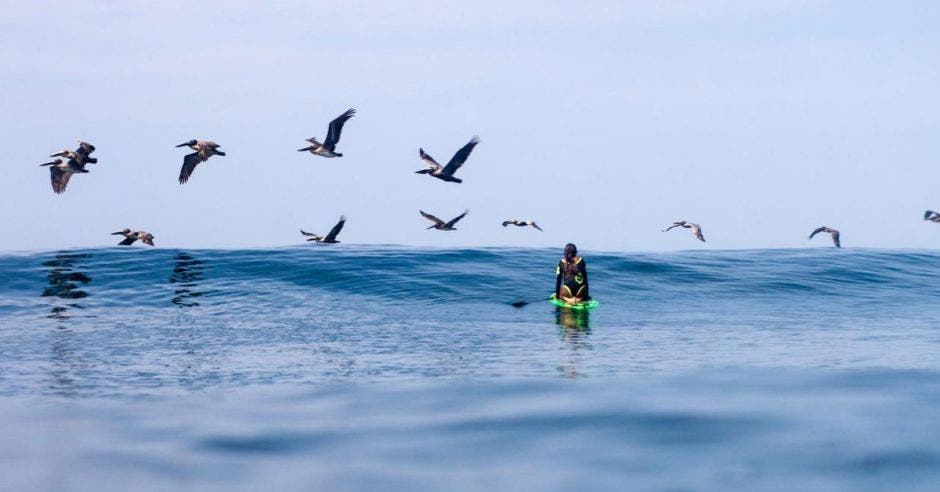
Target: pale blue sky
[(603, 121)]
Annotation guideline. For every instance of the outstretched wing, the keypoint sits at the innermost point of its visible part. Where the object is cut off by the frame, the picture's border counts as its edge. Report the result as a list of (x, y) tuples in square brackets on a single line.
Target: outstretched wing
[(85, 148), (431, 163), (60, 179), (533, 224), (817, 231), (312, 236), (929, 213), (336, 128), (331, 236), (457, 218), (507, 222), (431, 218), (128, 241), (835, 238), (460, 157), (697, 232), (147, 239), (189, 164)]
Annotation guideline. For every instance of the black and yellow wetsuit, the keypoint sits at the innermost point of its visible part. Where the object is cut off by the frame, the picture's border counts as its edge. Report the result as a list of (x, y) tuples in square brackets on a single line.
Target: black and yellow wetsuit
[(575, 285)]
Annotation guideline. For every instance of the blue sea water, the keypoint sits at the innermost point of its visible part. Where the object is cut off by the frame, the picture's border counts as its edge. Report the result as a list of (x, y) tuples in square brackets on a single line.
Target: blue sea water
[(391, 368)]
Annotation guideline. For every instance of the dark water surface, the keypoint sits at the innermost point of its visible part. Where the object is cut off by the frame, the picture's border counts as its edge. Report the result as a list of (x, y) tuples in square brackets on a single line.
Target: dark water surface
[(364, 368)]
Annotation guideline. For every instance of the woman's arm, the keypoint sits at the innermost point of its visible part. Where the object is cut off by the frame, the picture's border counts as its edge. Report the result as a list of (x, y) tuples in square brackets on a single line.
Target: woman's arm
[(558, 281)]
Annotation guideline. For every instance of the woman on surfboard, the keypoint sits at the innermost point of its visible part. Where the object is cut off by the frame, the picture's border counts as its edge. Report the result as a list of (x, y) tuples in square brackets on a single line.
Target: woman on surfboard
[(571, 279)]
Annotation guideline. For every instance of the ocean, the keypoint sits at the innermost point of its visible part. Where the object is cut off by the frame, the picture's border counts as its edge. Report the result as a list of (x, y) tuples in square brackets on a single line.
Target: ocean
[(393, 368)]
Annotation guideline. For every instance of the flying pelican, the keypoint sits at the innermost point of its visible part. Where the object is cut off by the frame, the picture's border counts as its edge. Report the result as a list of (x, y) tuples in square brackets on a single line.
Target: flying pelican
[(81, 155), (331, 236), (204, 149), (61, 171), (327, 148), (446, 173), (440, 224), (833, 232), (932, 216), (696, 229), (521, 223), (131, 236)]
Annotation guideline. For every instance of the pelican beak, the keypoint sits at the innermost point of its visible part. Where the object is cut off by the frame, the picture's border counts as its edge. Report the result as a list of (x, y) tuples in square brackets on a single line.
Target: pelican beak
[(117, 233), (184, 144)]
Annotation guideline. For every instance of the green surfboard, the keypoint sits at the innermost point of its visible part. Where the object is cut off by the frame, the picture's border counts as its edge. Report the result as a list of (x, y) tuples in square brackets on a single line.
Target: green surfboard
[(581, 306)]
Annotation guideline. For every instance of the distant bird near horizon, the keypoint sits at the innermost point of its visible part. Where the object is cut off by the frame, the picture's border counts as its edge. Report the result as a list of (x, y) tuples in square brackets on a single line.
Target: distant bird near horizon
[(330, 238), (932, 216), (131, 236), (521, 223), (204, 149), (60, 172), (440, 224), (446, 173), (696, 229), (832, 232), (328, 147)]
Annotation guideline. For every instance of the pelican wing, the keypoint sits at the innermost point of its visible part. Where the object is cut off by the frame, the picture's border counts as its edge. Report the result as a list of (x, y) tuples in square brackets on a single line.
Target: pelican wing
[(697, 232), (817, 231), (85, 148), (60, 179), (311, 236), (457, 218), (432, 218), (533, 224), (128, 241), (189, 165), (147, 239), (336, 128), (331, 236), (460, 157), (507, 222), (431, 163), (835, 238), (928, 214)]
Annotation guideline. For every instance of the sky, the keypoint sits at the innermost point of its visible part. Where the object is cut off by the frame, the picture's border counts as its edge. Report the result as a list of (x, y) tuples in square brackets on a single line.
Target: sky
[(602, 121)]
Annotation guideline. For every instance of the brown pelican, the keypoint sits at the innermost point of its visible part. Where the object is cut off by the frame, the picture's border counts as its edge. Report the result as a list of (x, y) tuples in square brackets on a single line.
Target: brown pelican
[(696, 229), (440, 224), (932, 216), (204, 149), (521, 223), (131, 236), (61, 171), (327, 148), (446, 173), (331, 236), (81, 155), (833, 232)]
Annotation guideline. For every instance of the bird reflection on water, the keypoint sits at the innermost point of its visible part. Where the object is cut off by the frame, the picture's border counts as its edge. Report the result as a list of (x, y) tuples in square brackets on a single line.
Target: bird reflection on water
[(187, 274), (65, 281)]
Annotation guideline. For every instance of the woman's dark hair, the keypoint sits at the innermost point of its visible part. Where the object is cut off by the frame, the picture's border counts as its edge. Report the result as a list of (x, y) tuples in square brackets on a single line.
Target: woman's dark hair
[(570, 252)]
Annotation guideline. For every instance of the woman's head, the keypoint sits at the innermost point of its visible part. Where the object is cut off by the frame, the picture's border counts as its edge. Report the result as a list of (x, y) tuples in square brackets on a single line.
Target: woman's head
[(570, 251)]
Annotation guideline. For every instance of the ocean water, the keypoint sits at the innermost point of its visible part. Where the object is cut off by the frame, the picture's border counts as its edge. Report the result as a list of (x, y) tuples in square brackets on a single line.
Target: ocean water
[(391, 368)]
